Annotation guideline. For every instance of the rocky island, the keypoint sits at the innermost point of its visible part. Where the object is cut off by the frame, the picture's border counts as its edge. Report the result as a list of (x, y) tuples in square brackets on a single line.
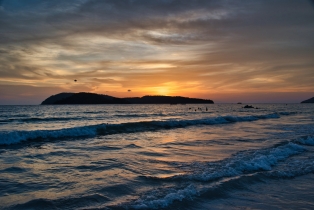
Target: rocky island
[(93, 98)]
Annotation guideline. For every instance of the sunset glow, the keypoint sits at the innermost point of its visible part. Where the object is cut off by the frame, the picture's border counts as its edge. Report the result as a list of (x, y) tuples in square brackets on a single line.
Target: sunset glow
[(218, 50)]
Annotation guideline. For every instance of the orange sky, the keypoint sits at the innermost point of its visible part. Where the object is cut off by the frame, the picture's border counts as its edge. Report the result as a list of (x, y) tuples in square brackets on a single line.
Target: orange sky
[(251, 51)]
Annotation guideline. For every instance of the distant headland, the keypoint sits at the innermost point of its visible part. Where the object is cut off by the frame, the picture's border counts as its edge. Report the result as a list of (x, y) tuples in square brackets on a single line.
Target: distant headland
[(311, 100), (93, 98)]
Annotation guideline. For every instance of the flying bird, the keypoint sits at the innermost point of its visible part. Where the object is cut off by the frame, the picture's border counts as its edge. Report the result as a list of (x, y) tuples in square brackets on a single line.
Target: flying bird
[(75, 80), (129, 90)]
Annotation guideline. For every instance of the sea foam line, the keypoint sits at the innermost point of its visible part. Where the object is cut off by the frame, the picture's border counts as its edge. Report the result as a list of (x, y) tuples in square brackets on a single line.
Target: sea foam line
[(153, 202), (243, 162), (13, 137)]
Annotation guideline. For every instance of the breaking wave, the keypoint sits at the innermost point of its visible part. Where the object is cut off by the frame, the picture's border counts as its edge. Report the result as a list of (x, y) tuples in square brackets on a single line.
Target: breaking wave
[(217, 179), (244, 162), (14, 137)]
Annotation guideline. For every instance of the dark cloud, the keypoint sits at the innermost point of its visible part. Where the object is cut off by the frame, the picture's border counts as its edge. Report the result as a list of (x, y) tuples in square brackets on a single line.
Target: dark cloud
[(110, 18), (184, 21)]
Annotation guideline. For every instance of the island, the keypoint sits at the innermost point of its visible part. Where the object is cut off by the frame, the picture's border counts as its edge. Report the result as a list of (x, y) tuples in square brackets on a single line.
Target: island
[(311, 100), (94, 98)]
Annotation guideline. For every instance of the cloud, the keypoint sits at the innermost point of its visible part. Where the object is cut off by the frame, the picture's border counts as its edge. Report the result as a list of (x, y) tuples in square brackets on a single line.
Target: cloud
[(199, 45)]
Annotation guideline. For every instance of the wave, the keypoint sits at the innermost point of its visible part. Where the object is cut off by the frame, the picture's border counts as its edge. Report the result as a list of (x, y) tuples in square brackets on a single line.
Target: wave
[(27, 119), (216, 180), (160, 114), (244, 162), (95, 112), (69, 202), (142, 115), (148, 202), (179, 198), (308, 140), (250, 166), (38, 119), (288, 113), (13, 137)]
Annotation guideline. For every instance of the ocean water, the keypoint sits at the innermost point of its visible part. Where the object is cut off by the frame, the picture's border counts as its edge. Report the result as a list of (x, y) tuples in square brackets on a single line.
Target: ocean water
[(157, 157)]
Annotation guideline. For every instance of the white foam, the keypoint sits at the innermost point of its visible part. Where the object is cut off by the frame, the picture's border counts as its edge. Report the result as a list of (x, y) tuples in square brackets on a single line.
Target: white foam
[(153, 202), (248, 161), (239, 164), (287, 113), (306, 141), (13, 137), (294, 168)]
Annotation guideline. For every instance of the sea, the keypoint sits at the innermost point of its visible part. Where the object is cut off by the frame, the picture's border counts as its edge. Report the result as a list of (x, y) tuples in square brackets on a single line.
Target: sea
[(184, 156)]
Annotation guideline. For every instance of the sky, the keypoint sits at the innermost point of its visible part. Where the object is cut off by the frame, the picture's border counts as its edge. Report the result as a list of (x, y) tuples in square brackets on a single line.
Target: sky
[(254, 51)]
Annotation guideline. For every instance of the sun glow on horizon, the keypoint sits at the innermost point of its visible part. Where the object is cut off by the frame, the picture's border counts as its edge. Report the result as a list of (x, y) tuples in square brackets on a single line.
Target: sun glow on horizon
[(159, 91), (167, 89)]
